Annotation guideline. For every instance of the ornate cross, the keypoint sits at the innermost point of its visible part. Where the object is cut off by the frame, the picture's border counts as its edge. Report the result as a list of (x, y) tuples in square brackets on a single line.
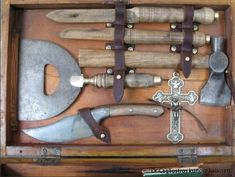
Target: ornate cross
[(175, 98)]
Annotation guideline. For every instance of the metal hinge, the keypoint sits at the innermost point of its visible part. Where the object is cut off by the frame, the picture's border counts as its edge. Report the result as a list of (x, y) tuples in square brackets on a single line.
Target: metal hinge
[(49, 156), (187, 155)]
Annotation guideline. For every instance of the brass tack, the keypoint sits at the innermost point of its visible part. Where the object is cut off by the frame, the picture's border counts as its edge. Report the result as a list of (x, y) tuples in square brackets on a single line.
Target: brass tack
[(119, 76), (216, 15), (130, 49), (108, 47), (208, 39), (108, 25), (130, 26), (131, 71), (173, 26), (194, 51), (102, 135), (173, 48), (187, 58), (109, 71), (195, 27)]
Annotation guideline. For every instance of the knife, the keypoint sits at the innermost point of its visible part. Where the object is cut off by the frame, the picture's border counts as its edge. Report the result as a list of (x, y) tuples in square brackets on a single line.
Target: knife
[(204, 15), (74, 127)]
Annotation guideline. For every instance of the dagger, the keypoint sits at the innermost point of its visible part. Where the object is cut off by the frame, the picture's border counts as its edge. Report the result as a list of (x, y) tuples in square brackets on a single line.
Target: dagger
[(74, 127), (135, 36), (204, 15)]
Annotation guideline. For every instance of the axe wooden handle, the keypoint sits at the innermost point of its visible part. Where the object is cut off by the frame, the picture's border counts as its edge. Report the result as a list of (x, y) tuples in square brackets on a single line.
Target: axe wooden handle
[(135, 36), (204, 15), (105, 58)]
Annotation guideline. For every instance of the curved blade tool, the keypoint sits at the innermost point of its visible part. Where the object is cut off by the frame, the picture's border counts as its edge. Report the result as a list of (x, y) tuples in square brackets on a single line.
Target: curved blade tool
[(74, 127), (34, 104)]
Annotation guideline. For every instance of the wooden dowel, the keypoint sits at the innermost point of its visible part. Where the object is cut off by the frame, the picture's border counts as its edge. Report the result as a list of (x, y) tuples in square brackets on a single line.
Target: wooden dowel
[(204, 15), (105, 58), (135, 36)]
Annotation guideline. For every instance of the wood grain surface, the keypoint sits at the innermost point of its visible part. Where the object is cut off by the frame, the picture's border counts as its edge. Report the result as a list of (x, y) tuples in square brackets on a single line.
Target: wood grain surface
[(126, 130), (139, 132), (136, 59), (134, 36), (109, 168)]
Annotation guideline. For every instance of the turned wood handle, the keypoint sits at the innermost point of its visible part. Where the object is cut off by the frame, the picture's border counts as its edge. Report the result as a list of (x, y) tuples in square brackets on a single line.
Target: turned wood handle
[(136, 109), (131, 80), (135, 36), (105, 58), (204, 15)]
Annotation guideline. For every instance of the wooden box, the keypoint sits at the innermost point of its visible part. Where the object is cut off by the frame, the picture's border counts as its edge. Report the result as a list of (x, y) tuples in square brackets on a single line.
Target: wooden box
[(137, 142)]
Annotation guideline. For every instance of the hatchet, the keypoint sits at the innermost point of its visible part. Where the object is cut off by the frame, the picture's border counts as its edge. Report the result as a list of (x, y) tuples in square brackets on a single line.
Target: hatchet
[(216, 91)]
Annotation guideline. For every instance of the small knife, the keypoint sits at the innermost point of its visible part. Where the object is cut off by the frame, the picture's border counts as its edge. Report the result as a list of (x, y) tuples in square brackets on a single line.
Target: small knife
[(74, 127), (106, 80)]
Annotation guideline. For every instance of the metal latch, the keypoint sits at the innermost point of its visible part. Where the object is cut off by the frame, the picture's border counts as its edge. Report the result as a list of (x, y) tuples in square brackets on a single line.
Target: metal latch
[(49, 156), (187, 155)]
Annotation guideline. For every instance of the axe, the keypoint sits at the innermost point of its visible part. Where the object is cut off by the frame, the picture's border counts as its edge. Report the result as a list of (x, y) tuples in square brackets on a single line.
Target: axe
[(216, 91)]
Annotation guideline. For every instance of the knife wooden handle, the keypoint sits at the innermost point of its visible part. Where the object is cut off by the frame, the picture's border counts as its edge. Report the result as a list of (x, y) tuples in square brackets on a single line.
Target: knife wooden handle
[(204, 15), (135, 59), (131, 80), (135, 36), (136, 109)]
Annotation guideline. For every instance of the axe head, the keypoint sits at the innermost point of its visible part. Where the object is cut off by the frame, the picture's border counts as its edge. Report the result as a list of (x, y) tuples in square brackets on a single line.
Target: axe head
[(34, 104), (216, 91)]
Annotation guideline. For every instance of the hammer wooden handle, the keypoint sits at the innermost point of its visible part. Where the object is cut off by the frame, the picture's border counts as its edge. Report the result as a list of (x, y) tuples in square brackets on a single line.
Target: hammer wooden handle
[(204, 15), (105, 58), (131, 80), (135, 36)]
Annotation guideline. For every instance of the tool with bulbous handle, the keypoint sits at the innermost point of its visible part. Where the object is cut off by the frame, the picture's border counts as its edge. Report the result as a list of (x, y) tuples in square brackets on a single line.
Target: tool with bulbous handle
[(106, 80)]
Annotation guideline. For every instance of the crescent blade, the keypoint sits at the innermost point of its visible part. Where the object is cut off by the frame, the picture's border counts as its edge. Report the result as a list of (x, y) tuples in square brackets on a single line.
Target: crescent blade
[(67, 129)]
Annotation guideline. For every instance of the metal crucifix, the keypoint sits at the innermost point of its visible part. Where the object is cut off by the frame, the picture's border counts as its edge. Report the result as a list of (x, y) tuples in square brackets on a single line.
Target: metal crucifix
[(175, 98)]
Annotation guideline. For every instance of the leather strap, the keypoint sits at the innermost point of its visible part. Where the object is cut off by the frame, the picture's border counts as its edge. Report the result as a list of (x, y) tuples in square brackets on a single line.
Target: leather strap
[(99, 132), (119, 47), (186, 48), (229, 79)]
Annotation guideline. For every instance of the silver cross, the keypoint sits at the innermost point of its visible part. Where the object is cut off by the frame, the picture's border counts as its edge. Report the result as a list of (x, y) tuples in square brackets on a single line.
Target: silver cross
[(175, 98)]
